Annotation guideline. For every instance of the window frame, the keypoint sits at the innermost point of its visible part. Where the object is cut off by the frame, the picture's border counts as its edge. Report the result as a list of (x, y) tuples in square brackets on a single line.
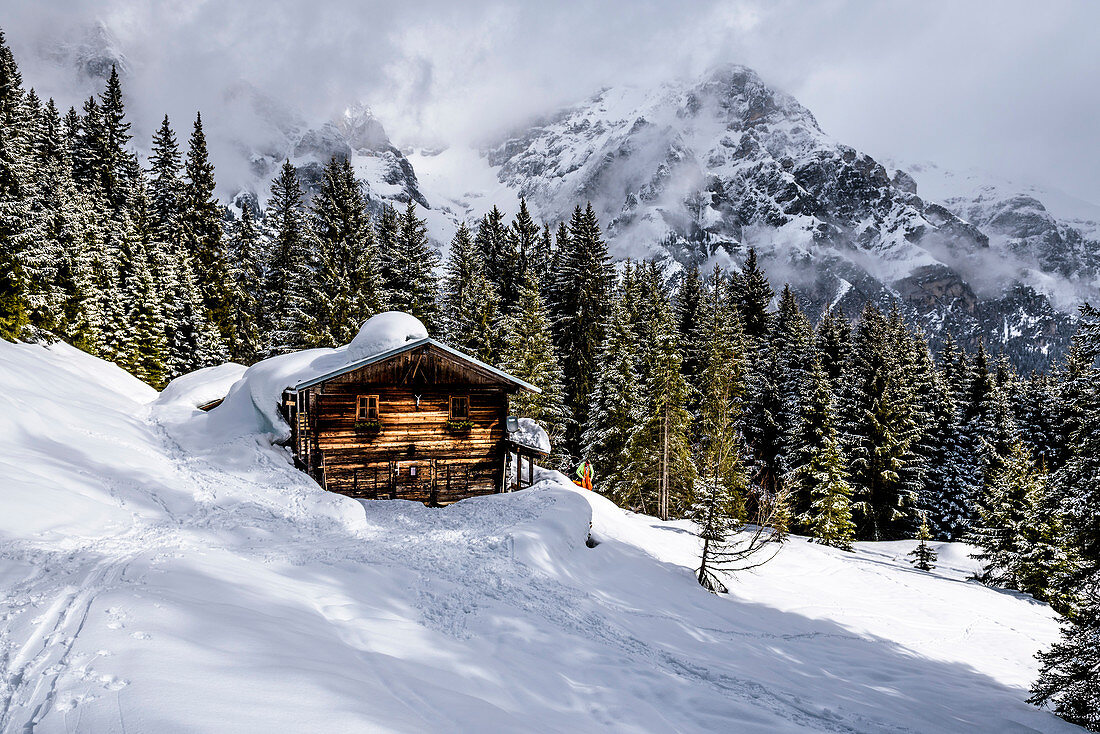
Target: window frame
[(451, 407), (363, 408)]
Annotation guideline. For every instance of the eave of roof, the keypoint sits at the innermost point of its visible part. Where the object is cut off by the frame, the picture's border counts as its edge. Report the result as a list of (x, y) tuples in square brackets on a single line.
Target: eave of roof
[(409, 346)]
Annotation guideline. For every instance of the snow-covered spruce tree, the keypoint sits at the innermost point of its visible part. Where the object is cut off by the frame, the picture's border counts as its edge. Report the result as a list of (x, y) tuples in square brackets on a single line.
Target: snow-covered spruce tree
[(613, 408), (470, 302), (40, 256), (415, 289), (55, 260), (659, 452), (879, 431), (579, 305), (117, 235), (201, 230), (1035, 410), (192, 339), (954, 367), (146, 352), (525, 235), (387, 233), (1076, 377), (246, 274), (764, 433), (752, 294), (694, 335), (722, 391), (1050, 564), (102, 165), (924, 556), (917, 371), (14, 203), (165, 185), (719, 508), (113, 180), (834, 344), (1077, 482), (938, 504), (498, 249), (796, 361), (988, 432), (529, 354), (143, 342), (1001, 515), (817, 477), (1068, 682), (347, 286), (542, 259), (288, 274), (1021, 534), (780, 384)]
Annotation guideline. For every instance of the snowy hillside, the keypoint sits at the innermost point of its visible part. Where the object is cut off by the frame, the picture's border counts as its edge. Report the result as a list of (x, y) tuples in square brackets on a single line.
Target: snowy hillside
[(161, 576)]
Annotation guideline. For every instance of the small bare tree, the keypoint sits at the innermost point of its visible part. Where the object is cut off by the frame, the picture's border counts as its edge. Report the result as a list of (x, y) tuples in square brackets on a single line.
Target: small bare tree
[(720, 486), (729, 544)]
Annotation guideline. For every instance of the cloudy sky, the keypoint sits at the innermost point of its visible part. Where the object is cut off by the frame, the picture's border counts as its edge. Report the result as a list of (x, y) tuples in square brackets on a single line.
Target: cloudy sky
[(1006, 86)]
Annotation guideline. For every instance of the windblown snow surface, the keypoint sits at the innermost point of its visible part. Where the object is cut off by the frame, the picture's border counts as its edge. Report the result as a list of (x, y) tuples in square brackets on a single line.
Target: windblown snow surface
[(159, 573)]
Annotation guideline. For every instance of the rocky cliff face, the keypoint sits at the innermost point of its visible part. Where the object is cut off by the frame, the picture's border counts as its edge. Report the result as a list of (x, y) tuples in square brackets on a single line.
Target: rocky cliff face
[(357, 135), (699, 172)]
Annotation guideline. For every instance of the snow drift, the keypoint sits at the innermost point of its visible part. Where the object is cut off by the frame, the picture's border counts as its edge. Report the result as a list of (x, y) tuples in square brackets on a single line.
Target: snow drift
[(162, 576)]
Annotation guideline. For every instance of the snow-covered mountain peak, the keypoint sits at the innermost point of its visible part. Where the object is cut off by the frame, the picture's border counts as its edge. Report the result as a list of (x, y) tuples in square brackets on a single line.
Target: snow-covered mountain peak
[(698, 171), (94, 52), (363, 131)]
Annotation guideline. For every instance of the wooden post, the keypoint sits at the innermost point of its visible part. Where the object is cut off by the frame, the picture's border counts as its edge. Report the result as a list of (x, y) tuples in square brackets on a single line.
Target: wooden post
[(433, 493)]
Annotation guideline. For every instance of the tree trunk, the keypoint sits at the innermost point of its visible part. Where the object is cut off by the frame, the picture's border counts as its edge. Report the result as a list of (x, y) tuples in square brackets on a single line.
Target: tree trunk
[(662, 495)]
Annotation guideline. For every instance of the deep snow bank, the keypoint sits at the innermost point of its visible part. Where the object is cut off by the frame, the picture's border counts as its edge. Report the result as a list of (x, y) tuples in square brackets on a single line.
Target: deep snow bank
[(159, 576)]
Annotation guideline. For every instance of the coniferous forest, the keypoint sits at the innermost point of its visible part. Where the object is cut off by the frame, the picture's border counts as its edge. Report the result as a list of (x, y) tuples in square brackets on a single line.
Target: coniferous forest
[(696, 394)]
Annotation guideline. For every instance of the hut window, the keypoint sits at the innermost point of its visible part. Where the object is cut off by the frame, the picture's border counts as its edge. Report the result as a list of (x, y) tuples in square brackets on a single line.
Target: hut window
[(460, 408), (367, 408)]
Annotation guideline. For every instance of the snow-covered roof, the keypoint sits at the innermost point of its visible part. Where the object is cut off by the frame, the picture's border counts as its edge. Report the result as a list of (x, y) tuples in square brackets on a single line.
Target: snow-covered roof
[(409, 346), (531, 435)]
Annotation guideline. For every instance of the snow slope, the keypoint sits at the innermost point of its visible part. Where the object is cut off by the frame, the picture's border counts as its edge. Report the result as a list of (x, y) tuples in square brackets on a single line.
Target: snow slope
[(155, 577)]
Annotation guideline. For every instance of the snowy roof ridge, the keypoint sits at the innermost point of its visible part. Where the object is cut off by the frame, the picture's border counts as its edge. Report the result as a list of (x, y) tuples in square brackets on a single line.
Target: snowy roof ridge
[(408, 346)]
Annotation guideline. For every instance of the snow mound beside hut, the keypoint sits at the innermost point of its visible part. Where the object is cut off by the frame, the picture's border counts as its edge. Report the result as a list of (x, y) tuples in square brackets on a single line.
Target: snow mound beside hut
[(201, 386)]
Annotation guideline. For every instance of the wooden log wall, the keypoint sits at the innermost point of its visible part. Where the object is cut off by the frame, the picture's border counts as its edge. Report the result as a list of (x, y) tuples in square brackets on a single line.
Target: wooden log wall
[(414, 454)]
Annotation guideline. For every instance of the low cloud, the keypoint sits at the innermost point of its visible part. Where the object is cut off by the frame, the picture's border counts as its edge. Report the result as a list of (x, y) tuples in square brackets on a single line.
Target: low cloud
[(1002, 85)]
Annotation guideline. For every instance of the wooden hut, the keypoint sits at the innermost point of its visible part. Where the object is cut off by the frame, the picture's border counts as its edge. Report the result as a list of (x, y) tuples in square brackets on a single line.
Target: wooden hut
[(421, 422)]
